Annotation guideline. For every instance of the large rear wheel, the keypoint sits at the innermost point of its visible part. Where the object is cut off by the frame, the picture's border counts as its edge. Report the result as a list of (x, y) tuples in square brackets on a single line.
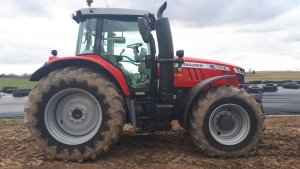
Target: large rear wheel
[(226, 122), (75, 114)]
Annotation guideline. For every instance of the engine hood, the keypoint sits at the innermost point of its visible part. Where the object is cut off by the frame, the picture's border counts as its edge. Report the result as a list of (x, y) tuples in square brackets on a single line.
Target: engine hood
[(206, 61), (195, 70)]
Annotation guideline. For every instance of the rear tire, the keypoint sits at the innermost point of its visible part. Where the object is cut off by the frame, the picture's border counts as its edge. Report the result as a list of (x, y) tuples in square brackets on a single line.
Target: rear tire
[(226, 122), (75, 114)]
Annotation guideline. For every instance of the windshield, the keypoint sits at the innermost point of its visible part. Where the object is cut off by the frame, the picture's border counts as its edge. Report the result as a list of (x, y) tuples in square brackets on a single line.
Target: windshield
[(86, 37)]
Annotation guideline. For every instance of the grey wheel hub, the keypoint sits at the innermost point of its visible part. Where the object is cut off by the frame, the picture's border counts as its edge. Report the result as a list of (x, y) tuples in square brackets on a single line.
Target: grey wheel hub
[(229, 124), (73, 116), (77, 114), (226, 123)]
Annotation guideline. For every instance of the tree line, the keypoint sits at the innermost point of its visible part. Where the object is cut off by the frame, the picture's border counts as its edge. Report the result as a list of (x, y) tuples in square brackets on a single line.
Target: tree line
[(11, 75)]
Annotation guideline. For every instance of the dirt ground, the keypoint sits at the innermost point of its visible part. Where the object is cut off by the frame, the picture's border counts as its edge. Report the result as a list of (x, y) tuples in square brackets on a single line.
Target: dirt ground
[(280, 148)]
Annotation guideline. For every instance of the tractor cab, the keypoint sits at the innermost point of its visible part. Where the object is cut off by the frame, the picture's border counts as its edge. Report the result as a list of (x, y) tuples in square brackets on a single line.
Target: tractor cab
[(113, 34)]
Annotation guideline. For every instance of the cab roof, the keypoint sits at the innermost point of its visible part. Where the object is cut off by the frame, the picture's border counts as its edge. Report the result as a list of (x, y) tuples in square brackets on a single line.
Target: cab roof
[(84, 13), (112, 11)]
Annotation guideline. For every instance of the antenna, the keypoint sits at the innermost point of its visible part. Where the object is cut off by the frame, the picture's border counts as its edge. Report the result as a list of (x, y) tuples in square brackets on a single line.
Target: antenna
[(89, 2), (106, 4)]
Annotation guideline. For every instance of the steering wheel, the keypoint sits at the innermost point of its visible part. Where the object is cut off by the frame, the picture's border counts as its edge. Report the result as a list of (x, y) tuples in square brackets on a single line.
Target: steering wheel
[(135, 45)]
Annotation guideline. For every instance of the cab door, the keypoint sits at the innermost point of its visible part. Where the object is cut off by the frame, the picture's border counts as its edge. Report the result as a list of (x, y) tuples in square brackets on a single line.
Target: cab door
[(123, 46)]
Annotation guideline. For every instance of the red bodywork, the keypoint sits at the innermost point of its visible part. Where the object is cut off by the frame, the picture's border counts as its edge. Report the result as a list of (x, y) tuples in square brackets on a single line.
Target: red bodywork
[(193, 71), (201, 69), (119, 76)]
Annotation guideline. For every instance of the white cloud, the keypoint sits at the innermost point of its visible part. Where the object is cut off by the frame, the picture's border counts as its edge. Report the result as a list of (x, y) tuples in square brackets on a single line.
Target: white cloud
[(26, 41), (269, 45), (248, 33)]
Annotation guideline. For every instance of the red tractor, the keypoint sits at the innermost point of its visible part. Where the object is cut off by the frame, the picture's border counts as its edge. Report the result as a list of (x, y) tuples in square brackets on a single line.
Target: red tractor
[(80, 104)]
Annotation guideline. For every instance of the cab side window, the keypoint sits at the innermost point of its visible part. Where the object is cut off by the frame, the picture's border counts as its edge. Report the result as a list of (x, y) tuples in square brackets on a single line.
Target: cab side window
[(123, 46)]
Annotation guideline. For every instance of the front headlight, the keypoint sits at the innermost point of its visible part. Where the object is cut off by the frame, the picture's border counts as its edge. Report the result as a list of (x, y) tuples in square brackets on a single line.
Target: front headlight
[(240, 73), (239, 70)]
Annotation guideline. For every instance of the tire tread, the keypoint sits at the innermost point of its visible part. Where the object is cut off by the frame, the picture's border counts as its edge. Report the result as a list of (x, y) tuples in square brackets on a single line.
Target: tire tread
[(115, 113), (201, 107)]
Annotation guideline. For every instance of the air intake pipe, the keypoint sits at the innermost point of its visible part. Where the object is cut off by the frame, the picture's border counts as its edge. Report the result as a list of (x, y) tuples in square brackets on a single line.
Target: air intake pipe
[(166, 51)]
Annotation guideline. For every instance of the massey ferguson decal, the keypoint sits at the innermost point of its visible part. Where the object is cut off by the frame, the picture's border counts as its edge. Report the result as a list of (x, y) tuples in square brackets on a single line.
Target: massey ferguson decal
[(204, 66)]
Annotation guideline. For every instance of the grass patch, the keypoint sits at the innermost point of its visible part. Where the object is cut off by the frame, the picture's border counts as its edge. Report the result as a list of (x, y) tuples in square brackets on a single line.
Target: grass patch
[(15, 82), (11, 121), (273, 76)]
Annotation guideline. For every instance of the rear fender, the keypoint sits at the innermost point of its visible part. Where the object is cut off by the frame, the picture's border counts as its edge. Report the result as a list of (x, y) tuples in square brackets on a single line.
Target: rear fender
[(91, 61), (194, 92)]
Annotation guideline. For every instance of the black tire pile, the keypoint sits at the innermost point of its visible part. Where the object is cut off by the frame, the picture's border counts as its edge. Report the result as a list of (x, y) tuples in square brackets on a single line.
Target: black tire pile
[(259, 86), (291, 85), (254, 88), (15, 91), (270, 87)]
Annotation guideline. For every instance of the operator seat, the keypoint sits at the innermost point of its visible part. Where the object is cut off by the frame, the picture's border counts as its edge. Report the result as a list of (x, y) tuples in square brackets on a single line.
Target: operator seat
[(140, 79), (142, 67)]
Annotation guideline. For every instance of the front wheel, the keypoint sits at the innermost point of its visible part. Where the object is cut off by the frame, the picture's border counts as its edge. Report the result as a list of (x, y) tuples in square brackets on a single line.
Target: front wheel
[(226, 122), (75, 114)]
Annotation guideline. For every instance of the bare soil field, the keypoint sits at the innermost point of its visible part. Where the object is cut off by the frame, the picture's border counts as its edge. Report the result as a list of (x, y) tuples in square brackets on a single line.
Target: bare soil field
[(280, 148)]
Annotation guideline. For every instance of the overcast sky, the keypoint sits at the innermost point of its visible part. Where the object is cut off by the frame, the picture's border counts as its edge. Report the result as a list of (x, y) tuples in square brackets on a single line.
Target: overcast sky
[(257, 34)]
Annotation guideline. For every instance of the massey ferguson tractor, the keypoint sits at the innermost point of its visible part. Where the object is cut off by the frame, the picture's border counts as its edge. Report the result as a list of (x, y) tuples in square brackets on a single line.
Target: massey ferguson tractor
[(80, 104)]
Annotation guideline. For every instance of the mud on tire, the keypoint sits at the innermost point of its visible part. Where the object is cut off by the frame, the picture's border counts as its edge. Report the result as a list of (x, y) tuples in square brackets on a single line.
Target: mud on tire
[(59, 92), (226, 122)]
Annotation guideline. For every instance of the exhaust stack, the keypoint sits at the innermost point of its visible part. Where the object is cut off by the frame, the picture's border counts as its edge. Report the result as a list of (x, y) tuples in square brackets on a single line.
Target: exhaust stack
[(89, 2), (166, 51)]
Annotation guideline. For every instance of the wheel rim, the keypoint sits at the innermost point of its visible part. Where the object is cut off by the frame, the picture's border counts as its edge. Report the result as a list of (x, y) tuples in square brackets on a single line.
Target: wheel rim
[(73, 116), (229, 124)]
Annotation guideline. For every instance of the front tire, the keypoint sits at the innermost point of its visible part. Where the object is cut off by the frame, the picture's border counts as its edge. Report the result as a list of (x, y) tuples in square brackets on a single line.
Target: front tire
[(226, 122), (75, 114)]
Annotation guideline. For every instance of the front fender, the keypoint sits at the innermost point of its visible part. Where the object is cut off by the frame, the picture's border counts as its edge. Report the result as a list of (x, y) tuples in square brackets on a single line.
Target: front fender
[(90, 61), (194, 92)]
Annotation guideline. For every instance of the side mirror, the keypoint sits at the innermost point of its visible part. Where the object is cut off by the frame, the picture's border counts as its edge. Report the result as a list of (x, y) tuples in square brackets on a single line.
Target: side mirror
[(180, 53), (144, 29), (54, 52)]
